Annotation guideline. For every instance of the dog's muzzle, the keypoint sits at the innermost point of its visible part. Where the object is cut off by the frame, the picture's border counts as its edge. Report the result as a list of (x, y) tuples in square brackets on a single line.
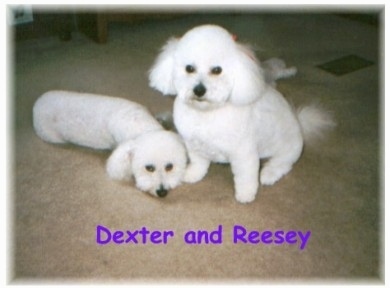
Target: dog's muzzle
[(161, 191), (199, 90)]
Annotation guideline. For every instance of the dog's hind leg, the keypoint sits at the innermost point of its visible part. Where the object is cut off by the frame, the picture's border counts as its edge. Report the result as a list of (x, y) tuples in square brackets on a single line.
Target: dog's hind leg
[(46, 127), (279, 165), (273, 171)]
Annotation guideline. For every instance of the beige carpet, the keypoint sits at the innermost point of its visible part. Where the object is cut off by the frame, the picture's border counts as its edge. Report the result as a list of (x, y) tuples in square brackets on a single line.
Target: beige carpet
[(60, 194)]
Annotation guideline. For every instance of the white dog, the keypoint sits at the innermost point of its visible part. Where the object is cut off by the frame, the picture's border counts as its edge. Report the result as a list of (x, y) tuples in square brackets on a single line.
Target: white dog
[(154, 157), (225, 111)]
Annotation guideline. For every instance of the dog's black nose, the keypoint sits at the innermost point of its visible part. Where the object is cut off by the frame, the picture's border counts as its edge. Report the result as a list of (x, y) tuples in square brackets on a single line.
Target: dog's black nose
[(161, 191), (199, 90)]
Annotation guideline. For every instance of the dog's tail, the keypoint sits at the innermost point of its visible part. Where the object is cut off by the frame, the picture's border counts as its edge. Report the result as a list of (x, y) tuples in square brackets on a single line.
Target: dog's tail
[(315, 122)]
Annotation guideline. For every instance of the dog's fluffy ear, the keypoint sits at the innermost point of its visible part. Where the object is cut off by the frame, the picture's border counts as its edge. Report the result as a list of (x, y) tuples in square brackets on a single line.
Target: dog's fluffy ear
[(118, 165), (249, 82), (161, 74)]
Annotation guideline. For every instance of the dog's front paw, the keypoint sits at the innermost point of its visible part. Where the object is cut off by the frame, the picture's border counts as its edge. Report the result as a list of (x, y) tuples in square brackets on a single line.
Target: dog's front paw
[(197, 168), (246, 193), (194, 174), (245, 197)]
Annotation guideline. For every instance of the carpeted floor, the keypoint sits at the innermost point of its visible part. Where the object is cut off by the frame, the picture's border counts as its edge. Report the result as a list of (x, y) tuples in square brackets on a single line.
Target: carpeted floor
[(60, 194)]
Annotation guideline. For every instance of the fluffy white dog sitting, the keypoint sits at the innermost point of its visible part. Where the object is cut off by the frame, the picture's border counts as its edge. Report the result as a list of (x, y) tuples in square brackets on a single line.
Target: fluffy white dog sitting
[(143, 149), (225, 111)]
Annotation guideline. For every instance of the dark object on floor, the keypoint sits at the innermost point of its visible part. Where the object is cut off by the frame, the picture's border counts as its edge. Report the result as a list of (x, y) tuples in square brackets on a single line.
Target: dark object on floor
[(345, 65)]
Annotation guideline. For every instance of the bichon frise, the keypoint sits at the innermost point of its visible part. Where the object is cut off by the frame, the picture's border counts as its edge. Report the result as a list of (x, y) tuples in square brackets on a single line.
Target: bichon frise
[(226, 112), (156, 158)]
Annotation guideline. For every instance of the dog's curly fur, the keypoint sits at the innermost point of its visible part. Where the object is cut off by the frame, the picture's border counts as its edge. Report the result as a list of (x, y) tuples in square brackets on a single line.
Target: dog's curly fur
[(226, 112), (156, 158)]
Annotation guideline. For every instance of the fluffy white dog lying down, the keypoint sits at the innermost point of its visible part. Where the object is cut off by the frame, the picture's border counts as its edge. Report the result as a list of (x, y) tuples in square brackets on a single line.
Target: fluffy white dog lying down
[(143, 149), (226, 112)]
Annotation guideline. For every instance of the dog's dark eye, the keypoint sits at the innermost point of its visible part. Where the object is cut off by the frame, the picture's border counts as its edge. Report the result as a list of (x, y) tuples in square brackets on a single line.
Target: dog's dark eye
[(190, 69), (150, 168), (169, 167), (216, 70)]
